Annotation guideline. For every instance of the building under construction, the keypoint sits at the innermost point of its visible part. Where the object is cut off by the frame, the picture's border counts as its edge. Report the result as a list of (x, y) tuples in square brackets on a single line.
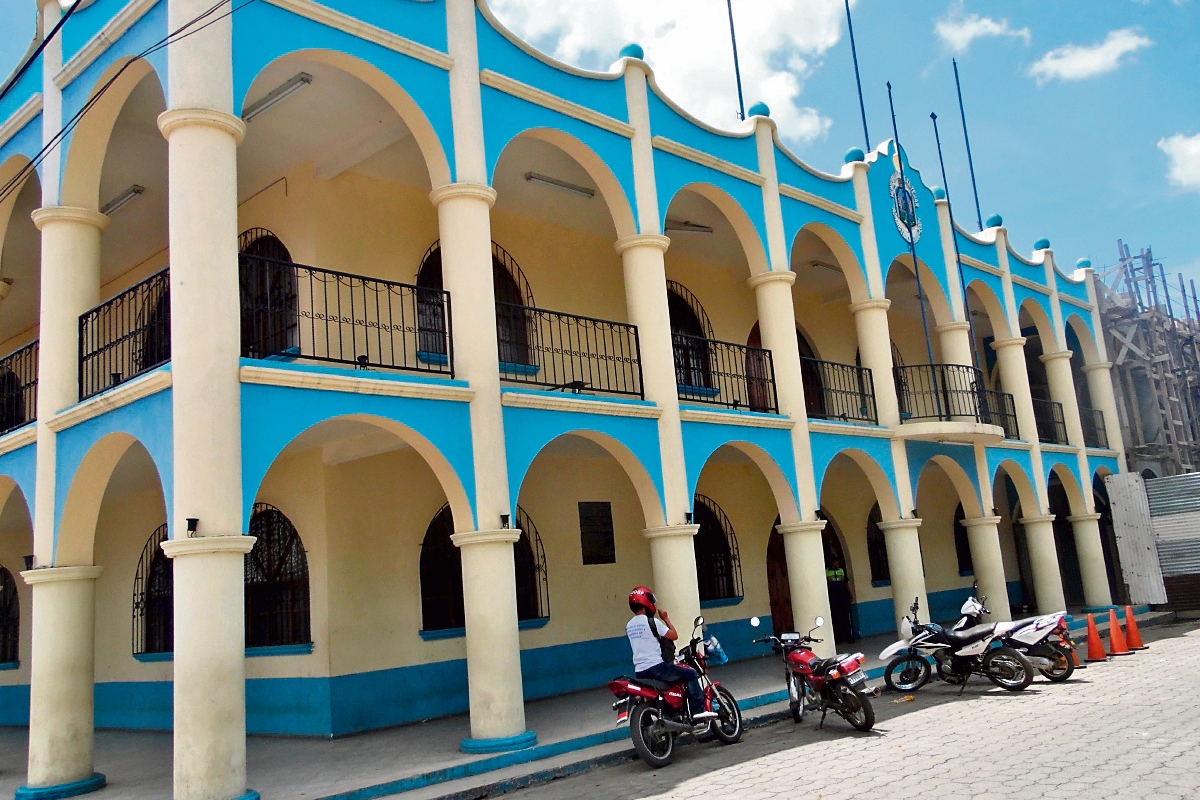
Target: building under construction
[(1152, 327)]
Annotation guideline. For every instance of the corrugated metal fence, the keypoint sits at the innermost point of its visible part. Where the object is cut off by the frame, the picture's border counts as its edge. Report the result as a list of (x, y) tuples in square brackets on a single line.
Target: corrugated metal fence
[(1175, 517), (1137, 547)]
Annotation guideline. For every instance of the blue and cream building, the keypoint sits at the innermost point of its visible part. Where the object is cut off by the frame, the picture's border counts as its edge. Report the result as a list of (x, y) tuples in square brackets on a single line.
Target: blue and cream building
[(359, 359)]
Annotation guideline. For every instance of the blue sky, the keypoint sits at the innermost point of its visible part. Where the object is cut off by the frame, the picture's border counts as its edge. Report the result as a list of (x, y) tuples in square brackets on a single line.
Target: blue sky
[(1084, 116)]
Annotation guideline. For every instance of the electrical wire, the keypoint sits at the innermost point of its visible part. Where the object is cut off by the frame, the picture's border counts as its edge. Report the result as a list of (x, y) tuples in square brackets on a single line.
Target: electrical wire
[(37, 52)]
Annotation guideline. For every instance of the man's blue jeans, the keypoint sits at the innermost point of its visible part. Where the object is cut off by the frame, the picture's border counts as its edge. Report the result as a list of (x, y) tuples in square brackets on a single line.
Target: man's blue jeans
[(674, 673)]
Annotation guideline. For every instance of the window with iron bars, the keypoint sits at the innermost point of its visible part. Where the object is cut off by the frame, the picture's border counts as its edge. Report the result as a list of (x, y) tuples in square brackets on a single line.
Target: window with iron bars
[(153, 598), (276, 582), (10, 619), (718, 561)]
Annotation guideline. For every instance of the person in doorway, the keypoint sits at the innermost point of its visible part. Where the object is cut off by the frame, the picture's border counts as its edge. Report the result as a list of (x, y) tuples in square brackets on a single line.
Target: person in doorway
[(840, 600), (645, 634)]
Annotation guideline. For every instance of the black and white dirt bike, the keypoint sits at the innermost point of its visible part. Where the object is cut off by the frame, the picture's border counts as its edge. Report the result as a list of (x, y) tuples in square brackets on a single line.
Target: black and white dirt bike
[(1043, 640), (957, 653)]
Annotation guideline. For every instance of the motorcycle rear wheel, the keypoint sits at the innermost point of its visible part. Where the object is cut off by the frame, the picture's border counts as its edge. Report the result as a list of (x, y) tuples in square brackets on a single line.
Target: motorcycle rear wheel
[(728, 726), (656, 748), (906, 672), (857, 709), (1008, 668), (1064, 665)]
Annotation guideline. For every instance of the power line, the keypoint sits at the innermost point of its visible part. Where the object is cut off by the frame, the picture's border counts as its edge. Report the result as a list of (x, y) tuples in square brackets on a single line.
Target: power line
[(38, 51)]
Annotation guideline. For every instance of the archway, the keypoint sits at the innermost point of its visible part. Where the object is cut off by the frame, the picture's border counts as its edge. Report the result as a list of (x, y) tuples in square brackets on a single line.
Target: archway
[(945, 496), (914, 308), (16, 604), (20, 283), (1013, 498)]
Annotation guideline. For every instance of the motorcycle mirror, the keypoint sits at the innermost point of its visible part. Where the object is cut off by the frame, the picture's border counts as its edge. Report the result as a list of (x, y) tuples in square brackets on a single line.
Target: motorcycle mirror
[(698, 622), (755, 622), (819, 622)]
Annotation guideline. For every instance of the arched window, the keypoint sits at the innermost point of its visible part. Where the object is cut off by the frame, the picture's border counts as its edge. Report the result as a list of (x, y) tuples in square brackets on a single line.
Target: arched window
[(810, 378), (690, 333), (962, 543), (881, 574), (718, 563), (10, 619), (155, 329), (153, 604), (269, 298), (276, 575), (441, 574)]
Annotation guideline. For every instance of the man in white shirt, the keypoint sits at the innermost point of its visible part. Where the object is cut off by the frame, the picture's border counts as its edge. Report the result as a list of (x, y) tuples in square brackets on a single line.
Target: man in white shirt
[(647, 650)]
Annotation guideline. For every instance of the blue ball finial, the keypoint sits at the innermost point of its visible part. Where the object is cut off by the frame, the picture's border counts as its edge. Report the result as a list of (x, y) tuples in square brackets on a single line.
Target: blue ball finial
[(1084, 263), (632, 51), (855, 154), (759, 109), (1042, 244), (994, 221), (939, 193)]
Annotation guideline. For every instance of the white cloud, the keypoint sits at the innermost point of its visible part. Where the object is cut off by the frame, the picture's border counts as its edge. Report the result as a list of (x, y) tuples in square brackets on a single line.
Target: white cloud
[(780, 44), (1074, 62), (958, 31), (1183, 160)]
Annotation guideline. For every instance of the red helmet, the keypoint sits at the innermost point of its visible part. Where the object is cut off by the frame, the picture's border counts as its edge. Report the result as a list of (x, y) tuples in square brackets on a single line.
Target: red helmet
[(642, 597)]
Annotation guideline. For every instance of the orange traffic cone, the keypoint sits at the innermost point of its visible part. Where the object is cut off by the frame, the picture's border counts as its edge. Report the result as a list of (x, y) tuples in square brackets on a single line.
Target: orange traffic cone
[(1132, 637), (1095, 646), (1116, 639)]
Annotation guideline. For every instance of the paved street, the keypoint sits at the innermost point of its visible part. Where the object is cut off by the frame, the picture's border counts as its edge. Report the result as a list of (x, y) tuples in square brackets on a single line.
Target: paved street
[(1129, 728)]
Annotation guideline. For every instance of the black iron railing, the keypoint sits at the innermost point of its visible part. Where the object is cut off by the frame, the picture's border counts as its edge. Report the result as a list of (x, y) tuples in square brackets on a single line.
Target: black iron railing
[(126, 336), (18, 387), (567, 351), (292, 311), (724, 374), (838, 391), (1051, 425), (1095, 434), (940, 391), (1002, 411)]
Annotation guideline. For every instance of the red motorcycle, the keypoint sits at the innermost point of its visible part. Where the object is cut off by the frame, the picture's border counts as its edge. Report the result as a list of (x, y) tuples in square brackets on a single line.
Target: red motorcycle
[(657, 712), (835, 684)]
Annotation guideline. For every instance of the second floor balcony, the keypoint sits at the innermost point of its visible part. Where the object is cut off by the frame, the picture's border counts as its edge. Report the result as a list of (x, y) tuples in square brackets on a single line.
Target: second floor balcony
[(18, 388), (724, 373), (1051, 424), (842, 392), (1095, 433), (953, 393)]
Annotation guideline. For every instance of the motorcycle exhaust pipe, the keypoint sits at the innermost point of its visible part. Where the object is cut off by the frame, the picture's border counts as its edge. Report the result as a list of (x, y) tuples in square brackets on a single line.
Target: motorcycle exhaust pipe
[(1040, 663), (677, 727)]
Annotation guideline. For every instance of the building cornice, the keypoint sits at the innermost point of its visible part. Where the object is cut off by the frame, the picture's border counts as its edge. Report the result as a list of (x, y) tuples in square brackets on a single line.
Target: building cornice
[(540, 97), (126, 393), (352, 384)]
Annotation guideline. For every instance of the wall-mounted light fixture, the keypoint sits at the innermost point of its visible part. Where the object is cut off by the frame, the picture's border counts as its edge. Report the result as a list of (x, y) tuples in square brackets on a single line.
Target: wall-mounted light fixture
[(826, 267), (683, 226), (687, 518), (546, 180), (505, 521), (275, 95), (29, 562), (193, 524), (121, 200)]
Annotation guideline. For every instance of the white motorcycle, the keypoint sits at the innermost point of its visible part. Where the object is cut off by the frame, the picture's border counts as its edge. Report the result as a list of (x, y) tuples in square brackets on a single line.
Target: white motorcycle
[(1044, 640), (958, 654)]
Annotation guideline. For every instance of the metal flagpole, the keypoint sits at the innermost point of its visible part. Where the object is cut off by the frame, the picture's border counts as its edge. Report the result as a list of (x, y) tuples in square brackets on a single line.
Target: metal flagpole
[(970, 161), (862, 108), (737, 70), (907, 216)]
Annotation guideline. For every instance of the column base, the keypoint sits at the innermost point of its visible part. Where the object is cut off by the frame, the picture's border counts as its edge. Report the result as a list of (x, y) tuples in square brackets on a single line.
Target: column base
[(521, 741), (72, 789)]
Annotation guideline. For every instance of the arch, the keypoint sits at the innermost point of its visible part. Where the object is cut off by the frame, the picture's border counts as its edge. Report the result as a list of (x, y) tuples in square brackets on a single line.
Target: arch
[(278, 611), (434, 155), (881, 484), (76, 533), (1041, 321), (10, 171), (611, 192), (964, 487), (153, 598), (739, 220), (718, 559), (931, 287), (269, 299), (1083, 333), (447, 477), (846, 260), (1070, 484), (84, 160), (10, 619), (1026, 492), (769, 468), (992, 306)]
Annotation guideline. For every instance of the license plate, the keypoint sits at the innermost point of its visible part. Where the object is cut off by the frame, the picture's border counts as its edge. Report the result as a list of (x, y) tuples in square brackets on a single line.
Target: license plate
[(622, 718), (856, 677)]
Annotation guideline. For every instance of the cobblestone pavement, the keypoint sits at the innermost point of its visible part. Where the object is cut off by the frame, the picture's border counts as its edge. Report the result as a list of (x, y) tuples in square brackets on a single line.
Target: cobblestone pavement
[(1129, 728)]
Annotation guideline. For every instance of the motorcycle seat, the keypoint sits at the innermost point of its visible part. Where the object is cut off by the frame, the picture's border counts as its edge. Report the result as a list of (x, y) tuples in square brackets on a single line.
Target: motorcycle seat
[(650, 683), (970, 635)]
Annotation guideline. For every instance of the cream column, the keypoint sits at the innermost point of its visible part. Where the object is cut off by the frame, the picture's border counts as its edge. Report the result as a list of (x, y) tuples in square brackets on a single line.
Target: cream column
[(875, 352), (62, 676), (904, 563), (673, 559), (1090, 551), (1010, 354), (805, 553), (1100, 388), (983, 534), (1062, 389), (1043, 558), (954, 342)]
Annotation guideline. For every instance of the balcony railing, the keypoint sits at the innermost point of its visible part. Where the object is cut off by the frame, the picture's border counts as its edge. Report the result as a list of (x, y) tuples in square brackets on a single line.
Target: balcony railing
[(1002, 411), (18, 387), (1051, 425), (838, 391), (1095, 434), (941, 392), (292, 311), (126, 336), (724, 374), (567, 351)]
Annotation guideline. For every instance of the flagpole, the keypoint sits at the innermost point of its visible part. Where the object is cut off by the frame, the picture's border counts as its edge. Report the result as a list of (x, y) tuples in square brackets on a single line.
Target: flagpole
[(862, 108), (737, 70), (970, 161)]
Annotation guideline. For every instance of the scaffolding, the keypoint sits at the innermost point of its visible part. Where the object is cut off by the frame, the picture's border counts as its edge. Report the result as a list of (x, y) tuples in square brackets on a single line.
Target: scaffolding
[(1153, 336)]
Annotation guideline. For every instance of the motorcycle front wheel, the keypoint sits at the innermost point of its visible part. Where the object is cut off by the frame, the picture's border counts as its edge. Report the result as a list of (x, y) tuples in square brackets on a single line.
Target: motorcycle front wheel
[(906, 672), (1064, 665), (653, 745), (856, 708), (1008, 668), (728, 725), (796, 697)]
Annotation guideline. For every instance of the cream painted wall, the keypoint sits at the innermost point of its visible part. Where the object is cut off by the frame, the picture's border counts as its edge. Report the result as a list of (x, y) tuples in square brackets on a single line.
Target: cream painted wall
[(847, 498), (828, 325), (723, 292), (16, 541), (937, 500)]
